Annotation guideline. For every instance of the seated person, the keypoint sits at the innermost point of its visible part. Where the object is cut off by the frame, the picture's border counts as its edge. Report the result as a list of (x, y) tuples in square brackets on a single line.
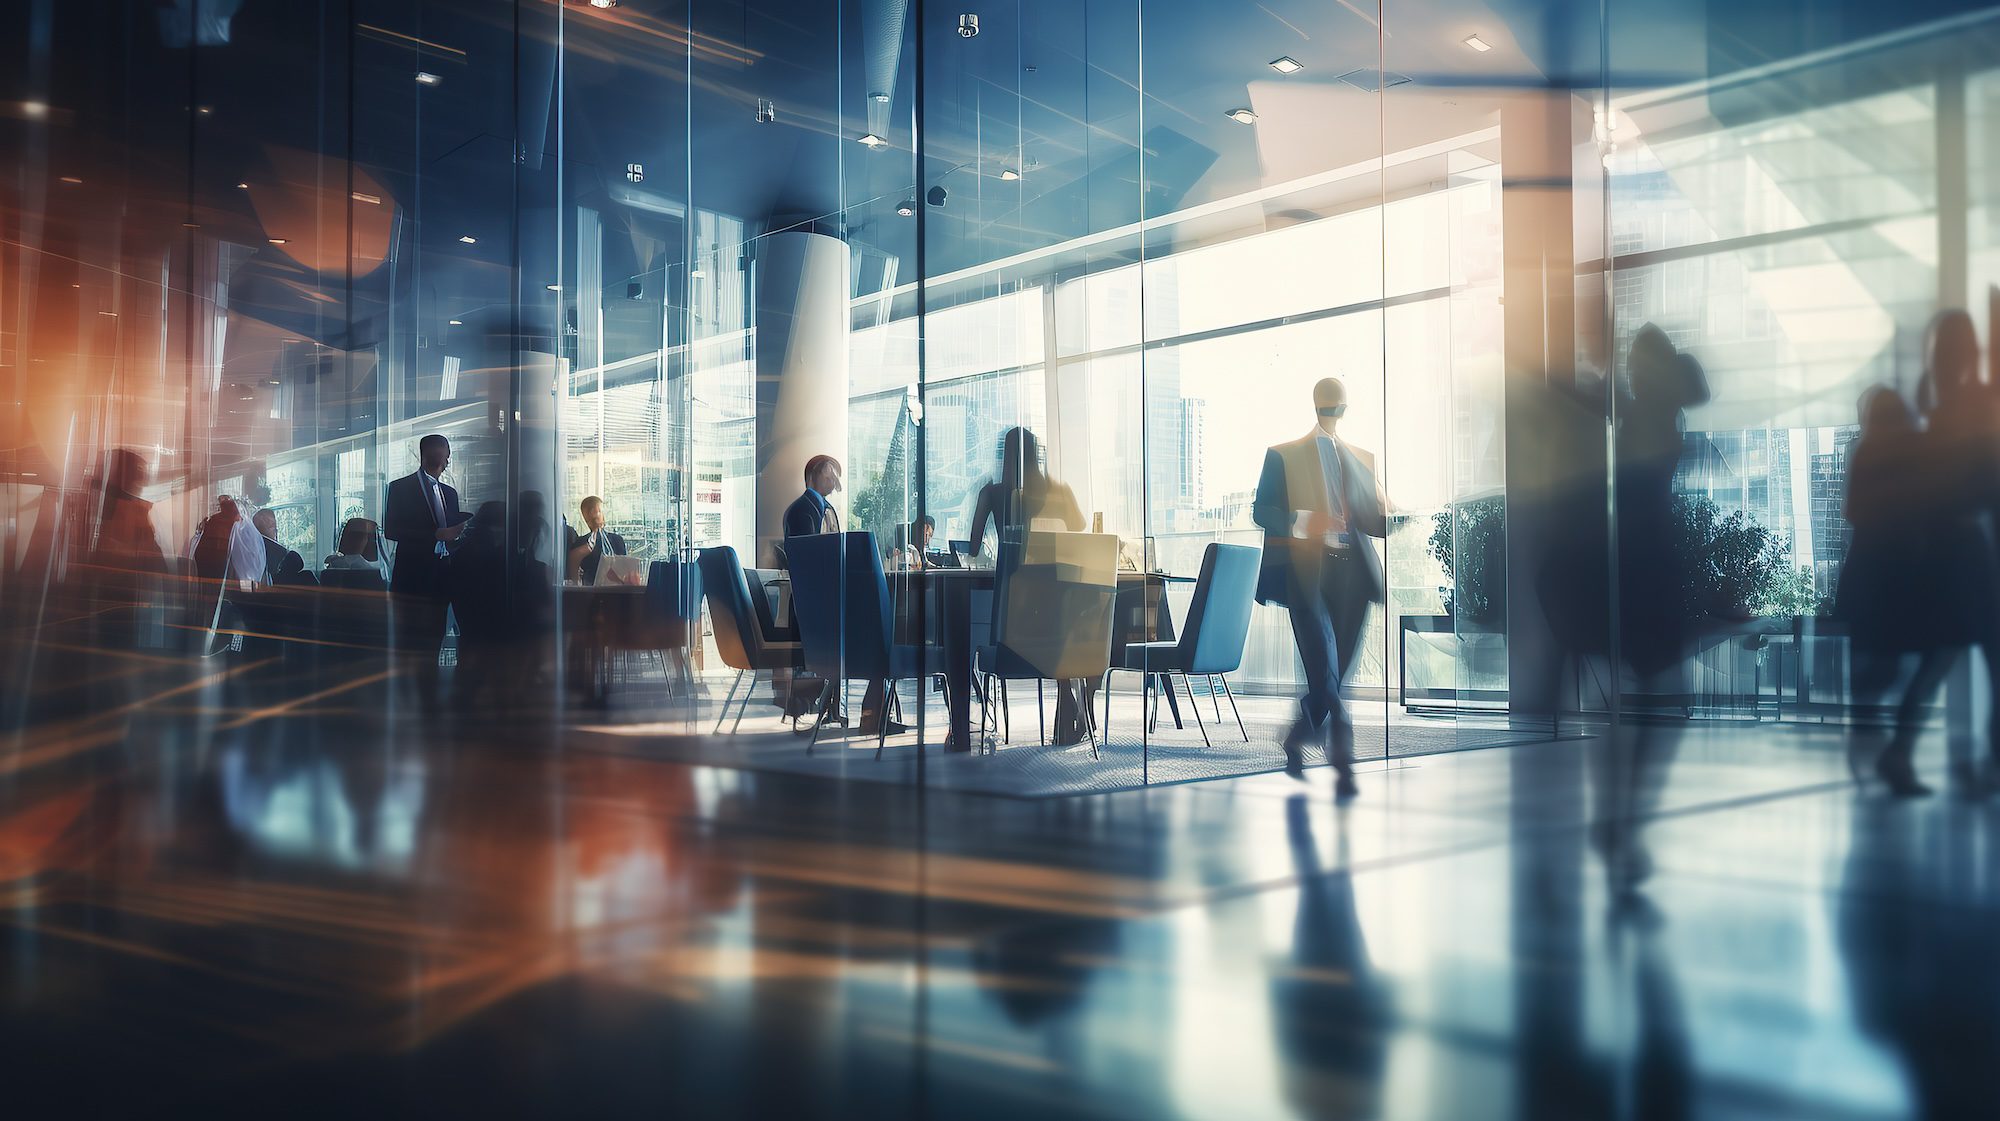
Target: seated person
[(292, 573), (587, 548), (914, 553), (358, 563)]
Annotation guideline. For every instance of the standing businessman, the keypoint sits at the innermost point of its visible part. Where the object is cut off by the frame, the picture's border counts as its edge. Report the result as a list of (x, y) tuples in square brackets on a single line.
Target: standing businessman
[(1317, 502), (422, 517)]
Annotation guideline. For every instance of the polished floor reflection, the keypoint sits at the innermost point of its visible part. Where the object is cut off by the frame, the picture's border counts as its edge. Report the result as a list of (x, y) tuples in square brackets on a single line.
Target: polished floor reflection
[(323, 910)]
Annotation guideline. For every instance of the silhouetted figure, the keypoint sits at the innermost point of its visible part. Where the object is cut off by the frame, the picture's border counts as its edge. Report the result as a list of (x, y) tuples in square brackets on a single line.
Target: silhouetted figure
[(422, 517), (1318, 503), (1653, 634), (123, 535), (482, 568), (1884, 482), (1952, 592), (1023, 498), (357, 562)]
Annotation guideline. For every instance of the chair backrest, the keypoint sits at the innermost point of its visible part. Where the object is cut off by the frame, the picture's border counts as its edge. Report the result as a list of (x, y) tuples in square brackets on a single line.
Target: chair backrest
[(1056, 602), (1218, 620), (736, 637), (840, 599), (673, 590)]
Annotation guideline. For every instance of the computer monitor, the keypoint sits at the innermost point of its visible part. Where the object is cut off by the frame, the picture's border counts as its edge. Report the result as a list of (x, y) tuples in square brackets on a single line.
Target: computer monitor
[(963, 551)]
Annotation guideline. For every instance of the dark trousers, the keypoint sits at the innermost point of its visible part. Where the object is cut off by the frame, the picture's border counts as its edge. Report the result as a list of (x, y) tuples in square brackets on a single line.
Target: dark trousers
[(1329, 604)]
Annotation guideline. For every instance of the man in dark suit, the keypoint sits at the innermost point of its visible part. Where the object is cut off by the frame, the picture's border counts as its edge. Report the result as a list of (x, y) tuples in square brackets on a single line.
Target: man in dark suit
[(592, 545), (813, 512), (1317, 503), (422, 517), (275, 553)]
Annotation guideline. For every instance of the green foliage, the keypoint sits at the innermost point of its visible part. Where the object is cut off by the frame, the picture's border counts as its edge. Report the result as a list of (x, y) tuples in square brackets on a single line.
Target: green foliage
[(1733, 567), (1469, 541)]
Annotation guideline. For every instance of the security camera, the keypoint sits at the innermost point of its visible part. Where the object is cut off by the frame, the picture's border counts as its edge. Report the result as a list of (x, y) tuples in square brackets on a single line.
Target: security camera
[(936, 196), (968, 26)]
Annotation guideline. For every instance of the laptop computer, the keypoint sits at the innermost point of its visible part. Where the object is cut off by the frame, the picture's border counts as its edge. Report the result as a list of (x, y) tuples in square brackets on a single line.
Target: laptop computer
[(614, 571)]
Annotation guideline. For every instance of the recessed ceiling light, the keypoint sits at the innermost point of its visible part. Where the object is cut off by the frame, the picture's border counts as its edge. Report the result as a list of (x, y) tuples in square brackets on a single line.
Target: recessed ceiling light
[(1009, 174), (112, 314), (362, 196), (34, 109), (468, 239), (458, 322), (204, 110), (870, 140), (426, 78), (553, 287), (1478, 44), (190, 225), (76, 286), (1286, 64), (242, 186), (603, 3), (1242, 116), (907, 207), (71, 179), (278, 241)]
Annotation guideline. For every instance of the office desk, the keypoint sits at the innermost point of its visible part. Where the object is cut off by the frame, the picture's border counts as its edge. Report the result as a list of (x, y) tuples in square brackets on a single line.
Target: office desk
[(952, 593), (600, 620)]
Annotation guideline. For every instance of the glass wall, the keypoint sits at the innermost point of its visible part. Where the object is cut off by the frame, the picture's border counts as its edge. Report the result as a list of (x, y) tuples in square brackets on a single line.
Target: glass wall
[(662, 255)]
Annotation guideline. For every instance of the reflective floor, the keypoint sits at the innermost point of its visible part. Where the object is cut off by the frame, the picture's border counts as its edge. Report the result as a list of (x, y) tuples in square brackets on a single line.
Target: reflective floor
[(321, 910)]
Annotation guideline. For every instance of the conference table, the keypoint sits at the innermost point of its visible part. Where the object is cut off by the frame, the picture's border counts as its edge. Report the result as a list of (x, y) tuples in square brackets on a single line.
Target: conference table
[(956, 595)]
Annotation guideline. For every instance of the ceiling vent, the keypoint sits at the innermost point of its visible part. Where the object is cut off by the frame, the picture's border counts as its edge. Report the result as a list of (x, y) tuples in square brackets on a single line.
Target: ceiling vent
[(1374, 81)]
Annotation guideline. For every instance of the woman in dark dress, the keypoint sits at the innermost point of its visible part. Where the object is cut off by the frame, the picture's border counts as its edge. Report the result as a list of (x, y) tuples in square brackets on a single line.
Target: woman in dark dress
[(1022, 496), (1950, 592)]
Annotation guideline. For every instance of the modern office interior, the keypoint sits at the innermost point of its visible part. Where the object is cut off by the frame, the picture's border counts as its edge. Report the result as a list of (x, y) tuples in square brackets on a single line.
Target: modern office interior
[(874, 558)]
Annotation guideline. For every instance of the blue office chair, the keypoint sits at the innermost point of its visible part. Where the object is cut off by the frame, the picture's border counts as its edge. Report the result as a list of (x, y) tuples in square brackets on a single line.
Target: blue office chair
[(1055, 605), (1211, 645), (840, 598), (745, 645)]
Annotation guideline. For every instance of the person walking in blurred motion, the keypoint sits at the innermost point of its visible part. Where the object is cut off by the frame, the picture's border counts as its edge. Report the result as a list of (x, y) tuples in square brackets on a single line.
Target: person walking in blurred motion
[(1950, 593), (1884, 507), (1024, 498), (422, 517), (1317, 501), (1653, 631)]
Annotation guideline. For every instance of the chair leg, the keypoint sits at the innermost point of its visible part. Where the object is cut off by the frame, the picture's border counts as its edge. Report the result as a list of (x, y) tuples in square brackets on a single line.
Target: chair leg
[(733, 686), (1041, 715), (1189, 682), (1006, 718), (1214, 698), (743, 703), (882, 718), (1231, 694), (1107, 706), (825, 700)]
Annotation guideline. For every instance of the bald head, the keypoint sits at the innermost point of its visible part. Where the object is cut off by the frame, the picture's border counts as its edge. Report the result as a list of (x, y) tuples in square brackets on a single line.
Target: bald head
[(1329, 402)]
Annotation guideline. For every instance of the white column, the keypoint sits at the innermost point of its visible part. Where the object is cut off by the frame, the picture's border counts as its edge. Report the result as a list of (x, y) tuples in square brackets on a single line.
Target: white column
[(802, 284)]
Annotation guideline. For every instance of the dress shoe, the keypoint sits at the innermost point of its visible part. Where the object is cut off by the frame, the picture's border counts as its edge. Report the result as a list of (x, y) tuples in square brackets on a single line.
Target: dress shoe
[(1900, 777), (1295, 743)]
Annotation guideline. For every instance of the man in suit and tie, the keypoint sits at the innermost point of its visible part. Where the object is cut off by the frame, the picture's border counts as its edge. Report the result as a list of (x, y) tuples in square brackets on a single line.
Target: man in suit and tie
[(813, 512), (1317, 503), (422, 517), (592, 545)]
